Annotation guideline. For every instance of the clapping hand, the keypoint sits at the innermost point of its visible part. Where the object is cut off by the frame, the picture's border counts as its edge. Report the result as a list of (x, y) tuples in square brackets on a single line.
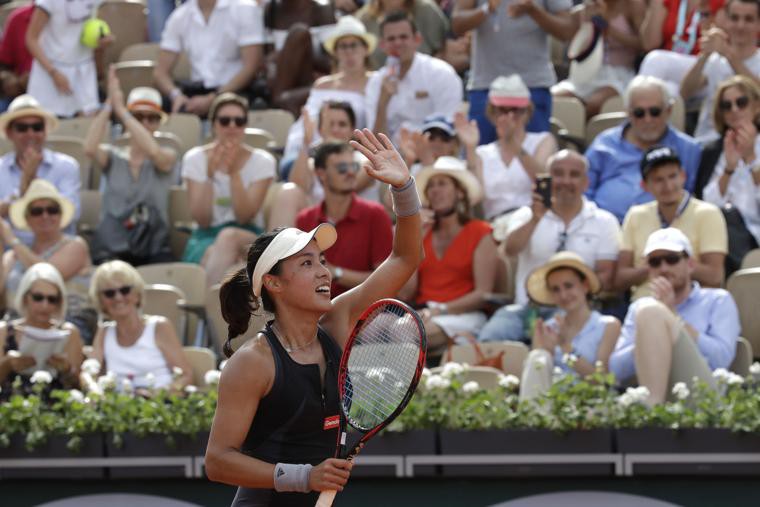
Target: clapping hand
[(385, 163), (545, 337), (467, 132), (59, 362), (663, 291), (115, 94), (520, 7)]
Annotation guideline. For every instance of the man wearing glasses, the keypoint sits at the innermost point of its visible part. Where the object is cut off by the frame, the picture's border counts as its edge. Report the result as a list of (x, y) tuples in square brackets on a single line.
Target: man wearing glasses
[(365, 234), (682, 331), (615, 155), (26, 126), (703, 224)]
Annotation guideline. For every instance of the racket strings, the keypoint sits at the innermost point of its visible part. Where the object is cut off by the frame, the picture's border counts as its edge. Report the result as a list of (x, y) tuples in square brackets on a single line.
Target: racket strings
[(382, 366)]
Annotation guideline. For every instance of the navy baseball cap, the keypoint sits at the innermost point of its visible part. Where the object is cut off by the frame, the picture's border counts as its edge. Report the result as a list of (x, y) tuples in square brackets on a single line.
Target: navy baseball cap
[(440, 123), (656, 156)]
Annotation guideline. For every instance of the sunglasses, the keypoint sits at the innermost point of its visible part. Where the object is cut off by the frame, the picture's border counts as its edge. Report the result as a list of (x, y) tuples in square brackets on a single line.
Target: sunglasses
[(500, 111), (640, 112), (348, 46), (38, 126), (111, 293), (150, 118), (669, 259), (727, 105), (39, 298), (225, 121), (37, 211), (344, 167)]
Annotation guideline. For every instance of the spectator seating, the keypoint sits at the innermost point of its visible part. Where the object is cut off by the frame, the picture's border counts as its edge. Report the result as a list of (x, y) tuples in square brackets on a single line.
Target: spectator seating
[(572, 115), (180, 221), (602, 122), (512, 360), (485, 376), (90, 201), (77, 128), (752, 259), (743, 358), (202, 360), (275, 121), (73, 147), (187, 127), (744, 286), (135, 73), (164, 299), (129, 25), (150, 51)]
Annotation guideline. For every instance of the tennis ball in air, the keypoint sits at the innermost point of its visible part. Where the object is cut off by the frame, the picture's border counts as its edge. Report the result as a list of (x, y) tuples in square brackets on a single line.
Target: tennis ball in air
[(92, 31)]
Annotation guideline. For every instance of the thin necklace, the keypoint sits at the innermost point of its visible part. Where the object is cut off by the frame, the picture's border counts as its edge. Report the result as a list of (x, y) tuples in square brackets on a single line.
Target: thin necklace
[(288, 348)]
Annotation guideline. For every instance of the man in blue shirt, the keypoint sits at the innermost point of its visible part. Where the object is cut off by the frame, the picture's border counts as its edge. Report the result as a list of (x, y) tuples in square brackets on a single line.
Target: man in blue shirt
[(680, 332), (615, 155), (26, 126)]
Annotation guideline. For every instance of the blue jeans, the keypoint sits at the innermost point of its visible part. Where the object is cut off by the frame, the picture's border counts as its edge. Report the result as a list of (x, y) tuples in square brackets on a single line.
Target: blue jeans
[(158, 13), (539, 122), (508, 323)]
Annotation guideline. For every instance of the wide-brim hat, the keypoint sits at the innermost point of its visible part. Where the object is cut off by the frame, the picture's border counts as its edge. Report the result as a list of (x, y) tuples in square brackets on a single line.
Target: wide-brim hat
[(586, 54), (454, 168), (535, 284), (289, 242), (26, 105), (40, 189), (349, 26), (145, 98)]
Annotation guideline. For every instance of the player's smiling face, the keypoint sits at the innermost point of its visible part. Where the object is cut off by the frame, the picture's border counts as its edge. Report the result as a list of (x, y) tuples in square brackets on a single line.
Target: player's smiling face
[(304, 280)]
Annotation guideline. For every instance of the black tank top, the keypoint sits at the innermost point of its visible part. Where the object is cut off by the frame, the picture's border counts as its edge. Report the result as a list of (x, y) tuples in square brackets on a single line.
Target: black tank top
[(289, 425)]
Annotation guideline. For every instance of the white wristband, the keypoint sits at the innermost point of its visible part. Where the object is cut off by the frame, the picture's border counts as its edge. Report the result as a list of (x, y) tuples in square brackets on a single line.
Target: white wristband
[(290, 477), (406, 201), (176, 92)]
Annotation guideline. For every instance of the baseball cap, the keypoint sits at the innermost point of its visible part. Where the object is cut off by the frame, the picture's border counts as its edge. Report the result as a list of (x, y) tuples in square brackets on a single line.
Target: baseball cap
[(669, 239), (440, 123), (656, 156), (509, 91)]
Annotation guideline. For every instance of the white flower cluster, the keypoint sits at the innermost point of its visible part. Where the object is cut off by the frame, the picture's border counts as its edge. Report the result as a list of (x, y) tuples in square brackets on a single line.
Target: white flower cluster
[(681, 391), (211, 378), (177, 372), (633, 395), (75, 395), (41, 377), (569, 359), (470, 387), (107, 382), (509, 381), (452, 370), (755, 368), (724, 376), (91, 366), (437, 382), (190, 389)]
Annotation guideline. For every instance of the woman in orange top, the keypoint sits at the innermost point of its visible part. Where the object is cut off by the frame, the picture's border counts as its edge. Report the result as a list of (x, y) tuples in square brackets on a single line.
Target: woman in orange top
[(460, 254)]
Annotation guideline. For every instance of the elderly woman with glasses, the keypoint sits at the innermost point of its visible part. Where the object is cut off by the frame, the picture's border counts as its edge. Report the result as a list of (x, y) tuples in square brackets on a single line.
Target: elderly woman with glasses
[(226, 184), (730, 168), (141, 350), (41, 339), (137, 177), (46, 213)]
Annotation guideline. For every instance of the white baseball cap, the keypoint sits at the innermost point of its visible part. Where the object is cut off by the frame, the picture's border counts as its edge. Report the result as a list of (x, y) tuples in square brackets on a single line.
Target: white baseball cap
[(289, 242), (669, 239)]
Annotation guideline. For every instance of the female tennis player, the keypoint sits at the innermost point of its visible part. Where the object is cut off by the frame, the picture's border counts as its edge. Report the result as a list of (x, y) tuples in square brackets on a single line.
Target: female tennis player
[(276, 421)]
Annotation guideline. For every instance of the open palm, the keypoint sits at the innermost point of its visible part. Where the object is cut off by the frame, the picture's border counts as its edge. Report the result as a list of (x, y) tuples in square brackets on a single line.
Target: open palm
[(386, 164)]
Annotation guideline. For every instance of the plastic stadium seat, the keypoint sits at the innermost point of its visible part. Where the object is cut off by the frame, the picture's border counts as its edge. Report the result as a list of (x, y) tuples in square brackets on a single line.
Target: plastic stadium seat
[(150, 51), (202, 360), (572, 115), (78, 127), (162, 299), (72, 147), (602, 122), (743, 358), (187, 128), (744, 286), (275, 121), (752, 259), (614, 104), (134, 74), (180, 221), (129, 25), (88, 220)]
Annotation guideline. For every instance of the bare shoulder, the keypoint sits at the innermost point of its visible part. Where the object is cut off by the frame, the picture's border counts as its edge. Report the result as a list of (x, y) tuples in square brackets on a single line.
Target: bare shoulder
[(611, 324), (251, 366), (326, 82)]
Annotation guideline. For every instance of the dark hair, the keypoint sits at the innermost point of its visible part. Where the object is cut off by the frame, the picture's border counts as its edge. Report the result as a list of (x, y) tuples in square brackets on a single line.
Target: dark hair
[(236, 294), (396, 17), (226, 98), (326, 149), (338, 105)]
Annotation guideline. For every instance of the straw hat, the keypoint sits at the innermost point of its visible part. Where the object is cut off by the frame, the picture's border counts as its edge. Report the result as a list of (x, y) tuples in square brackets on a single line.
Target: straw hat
[(40, 189), (145, 98), (454, 168), (586, 52), (26, 105), (349, 26), (535, 284)]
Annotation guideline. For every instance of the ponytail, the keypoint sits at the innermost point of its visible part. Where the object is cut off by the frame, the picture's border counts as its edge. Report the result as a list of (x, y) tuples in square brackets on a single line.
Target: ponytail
[(237, 304)]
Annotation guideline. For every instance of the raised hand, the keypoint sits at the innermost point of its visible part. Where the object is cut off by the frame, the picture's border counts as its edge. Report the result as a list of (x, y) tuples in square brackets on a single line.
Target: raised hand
[(308, 128), (663, 291), (407, 146), (745, 140), (467, 131), (544, 337), (386, 164), (115, 94), (731, 150)]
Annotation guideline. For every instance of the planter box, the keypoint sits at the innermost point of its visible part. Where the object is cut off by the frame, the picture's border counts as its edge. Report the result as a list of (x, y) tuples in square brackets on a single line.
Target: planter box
[(524, 450), (150, 449), (55, 447), (393, 446), (663, 441)]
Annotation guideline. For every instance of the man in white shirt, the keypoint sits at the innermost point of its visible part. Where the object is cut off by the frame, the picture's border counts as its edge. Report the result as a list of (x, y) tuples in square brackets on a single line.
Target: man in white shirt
[(723, 55), (411, 86), (535, 233), (223, 39)]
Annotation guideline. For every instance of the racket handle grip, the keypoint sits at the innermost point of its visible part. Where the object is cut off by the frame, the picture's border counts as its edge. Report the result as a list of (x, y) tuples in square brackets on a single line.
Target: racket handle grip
[(326, 498)]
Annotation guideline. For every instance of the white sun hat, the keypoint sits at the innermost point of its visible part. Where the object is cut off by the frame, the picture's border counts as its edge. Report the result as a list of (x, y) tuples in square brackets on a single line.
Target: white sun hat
[(349, 26)]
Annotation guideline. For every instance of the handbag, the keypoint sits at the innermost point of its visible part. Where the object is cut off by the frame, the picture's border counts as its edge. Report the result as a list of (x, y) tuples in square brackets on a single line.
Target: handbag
[(494, 361), (140, 233)]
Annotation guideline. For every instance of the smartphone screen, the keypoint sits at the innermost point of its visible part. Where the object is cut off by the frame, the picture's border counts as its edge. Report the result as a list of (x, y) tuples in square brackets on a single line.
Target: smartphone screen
[(544, 189)]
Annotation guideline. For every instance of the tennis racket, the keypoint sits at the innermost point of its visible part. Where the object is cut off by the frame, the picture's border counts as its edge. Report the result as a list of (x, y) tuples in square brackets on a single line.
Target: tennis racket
[(379, 371)]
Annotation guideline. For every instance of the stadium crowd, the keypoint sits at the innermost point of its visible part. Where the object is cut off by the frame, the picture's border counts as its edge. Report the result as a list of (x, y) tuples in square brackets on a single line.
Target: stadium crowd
[(613, 249)]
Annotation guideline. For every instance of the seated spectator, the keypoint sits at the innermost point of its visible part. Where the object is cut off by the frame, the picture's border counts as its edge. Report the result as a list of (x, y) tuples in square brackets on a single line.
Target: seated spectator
[(226, 185), (296, 29), (15, 59), (137, 179), (670, 36), (723, 55), (430, 20), (460, 255), (663, 175), (131, 344), (615, 155), (439, 138), (535, 233), (63, 77), (223, 41), (619, 22), (682, 331), (509, 165), (731, 175), (512, 38), (411, 86), (46, 213), (365, 233), (41, 301), (569, 284), (26, 125), (349, 44)]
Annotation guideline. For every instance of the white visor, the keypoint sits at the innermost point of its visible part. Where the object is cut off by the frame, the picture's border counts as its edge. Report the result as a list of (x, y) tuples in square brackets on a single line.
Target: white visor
[(289, 242)]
